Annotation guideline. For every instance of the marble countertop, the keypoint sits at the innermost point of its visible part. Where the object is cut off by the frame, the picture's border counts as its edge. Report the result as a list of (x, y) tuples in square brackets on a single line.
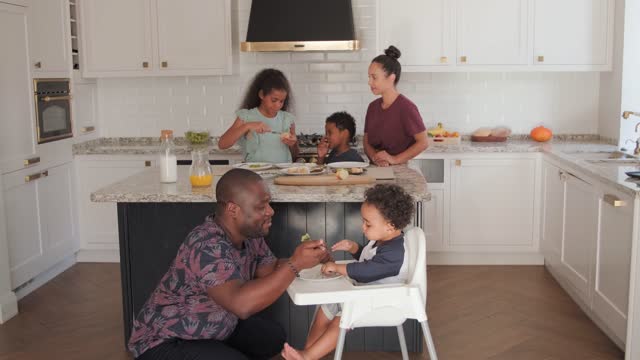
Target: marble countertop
[(146, 187)]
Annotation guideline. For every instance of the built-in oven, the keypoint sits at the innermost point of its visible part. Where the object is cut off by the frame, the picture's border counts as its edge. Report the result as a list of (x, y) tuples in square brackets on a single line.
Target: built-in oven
[(53, 109)]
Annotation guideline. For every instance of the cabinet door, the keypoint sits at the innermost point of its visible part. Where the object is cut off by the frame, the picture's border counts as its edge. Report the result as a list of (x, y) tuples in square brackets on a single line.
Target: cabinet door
[(84, 108), (116, 37), (492, 204), (49, 39), (25, 235), (194, 35), (552, 213), (433, 220), (98, 222), (421, 29), (580, 232), (572, 32), (57, 199), (17, 124), (492, 32), (613, 262)]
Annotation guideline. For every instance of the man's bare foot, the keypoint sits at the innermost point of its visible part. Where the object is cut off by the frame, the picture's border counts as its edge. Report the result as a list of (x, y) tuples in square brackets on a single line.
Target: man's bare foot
[(290, 353)]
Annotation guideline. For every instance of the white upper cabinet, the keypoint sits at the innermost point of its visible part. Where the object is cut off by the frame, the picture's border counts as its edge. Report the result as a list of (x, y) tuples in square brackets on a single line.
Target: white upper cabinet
[(116, 37), (49, 39), (573, 32), (194, 36), (492, 32), (421, 29), (155, 37), (17, 124)]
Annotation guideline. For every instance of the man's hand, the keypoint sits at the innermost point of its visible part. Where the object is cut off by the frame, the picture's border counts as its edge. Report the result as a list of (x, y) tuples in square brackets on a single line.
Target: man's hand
[(309, 254), (345, 245)]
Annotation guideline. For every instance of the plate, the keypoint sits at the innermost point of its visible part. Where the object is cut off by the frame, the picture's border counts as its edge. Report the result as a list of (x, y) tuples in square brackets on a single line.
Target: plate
[(311, 172), (285, 165), (254, 166), (314, 274), (347, 164), (633, 174)]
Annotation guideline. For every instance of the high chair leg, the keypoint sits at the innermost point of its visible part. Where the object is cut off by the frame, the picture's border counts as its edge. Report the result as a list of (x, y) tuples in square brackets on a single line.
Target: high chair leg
[(340, 345), (403, 343), (429, 340)]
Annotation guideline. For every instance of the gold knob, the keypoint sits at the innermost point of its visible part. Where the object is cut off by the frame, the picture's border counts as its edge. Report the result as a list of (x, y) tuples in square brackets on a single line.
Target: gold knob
[(458, 162), (463, 59), (147, 163), (613, 200), (145, 64), (540, 58), (165, 64), (443, 59), (38, 65), (31, 161)]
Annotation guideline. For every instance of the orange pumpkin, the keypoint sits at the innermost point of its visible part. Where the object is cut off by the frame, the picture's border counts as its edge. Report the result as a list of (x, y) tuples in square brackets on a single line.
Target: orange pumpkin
[(541, 134)]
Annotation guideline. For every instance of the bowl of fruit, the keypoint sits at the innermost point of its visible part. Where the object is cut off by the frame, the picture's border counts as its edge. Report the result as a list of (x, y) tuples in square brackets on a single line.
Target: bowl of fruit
[(440, 136), (197, 137)]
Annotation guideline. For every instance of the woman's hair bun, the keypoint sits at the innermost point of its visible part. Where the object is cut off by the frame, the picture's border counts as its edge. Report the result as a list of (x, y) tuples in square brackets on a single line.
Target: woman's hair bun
[(393, 52)]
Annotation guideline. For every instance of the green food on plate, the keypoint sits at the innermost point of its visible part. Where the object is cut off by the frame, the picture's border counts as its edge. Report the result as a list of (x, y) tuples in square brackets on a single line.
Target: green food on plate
[(305, 237)]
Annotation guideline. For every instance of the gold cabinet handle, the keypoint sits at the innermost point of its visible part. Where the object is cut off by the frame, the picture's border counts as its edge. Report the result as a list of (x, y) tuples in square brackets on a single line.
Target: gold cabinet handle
[(32, 177), (458, 162), (87, 129), (613, 200), (147, 163), (443, 59), (165, 64), (31, 161), (38, 65), (54, 98), (626, 114), (145, 64), (540, 58), (463, 59)]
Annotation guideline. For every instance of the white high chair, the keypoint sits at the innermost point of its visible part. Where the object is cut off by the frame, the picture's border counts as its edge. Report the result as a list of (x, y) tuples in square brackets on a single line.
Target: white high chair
[(391, 305)]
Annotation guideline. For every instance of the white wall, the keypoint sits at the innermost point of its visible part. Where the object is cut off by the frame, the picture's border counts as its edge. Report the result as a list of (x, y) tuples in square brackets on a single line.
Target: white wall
[(326, 82), (611, 84)]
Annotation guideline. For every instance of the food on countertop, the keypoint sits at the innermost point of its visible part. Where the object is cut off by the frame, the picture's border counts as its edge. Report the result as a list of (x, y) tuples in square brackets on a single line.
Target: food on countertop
[(356, 170), (342, 174), (440, 132), (298, 170), (201, 180), (482, 132), (255, 166), (501, 131), (541, 134), (197, 137), (305, 237)]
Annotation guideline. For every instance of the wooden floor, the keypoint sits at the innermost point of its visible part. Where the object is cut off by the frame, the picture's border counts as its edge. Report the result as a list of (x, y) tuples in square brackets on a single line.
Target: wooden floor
[(475, 312)]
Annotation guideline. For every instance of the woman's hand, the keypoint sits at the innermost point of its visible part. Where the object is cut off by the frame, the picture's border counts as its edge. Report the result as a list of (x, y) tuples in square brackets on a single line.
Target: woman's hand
[(258, 126), (345, 245), (323, 148), (383, 156)]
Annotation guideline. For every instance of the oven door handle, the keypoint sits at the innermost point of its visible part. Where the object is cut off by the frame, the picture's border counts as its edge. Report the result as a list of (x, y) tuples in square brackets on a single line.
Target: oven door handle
[(54, 98)]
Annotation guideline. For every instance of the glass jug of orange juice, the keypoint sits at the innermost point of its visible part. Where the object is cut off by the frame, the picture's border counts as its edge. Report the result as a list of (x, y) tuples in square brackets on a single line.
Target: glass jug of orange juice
[(200, 170)]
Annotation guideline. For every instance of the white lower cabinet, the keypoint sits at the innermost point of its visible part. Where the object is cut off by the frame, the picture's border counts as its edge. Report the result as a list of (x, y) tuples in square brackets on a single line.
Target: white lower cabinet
[(493, 204), (433, 222), (613, 261), (552, 213), (98, 222), (40, 230), (580, 232)]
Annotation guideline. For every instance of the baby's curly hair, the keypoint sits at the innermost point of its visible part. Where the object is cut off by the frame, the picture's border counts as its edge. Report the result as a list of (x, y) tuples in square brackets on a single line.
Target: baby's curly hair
[(395, 204)]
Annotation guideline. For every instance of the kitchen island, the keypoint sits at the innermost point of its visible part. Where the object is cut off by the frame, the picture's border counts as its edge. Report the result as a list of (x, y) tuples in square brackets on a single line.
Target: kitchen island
[(154, 219)]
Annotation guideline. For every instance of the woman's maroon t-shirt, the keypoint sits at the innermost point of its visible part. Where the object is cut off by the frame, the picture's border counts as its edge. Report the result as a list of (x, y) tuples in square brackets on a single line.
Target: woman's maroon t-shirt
[(393, 129)]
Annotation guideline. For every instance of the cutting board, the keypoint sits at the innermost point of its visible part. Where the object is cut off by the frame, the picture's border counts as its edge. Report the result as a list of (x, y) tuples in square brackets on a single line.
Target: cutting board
[(488, 138), (323, 180), (381, 173)]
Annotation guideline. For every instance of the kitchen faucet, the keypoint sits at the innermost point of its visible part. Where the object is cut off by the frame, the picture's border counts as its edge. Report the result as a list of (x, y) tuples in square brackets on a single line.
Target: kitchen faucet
[(636, 151)]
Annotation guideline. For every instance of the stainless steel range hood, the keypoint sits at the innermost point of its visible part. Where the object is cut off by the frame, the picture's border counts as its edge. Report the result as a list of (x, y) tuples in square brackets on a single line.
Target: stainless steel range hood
[(301, 25)]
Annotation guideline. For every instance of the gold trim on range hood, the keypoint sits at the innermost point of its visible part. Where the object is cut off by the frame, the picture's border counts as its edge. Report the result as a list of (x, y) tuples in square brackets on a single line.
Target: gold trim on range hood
[(343, 45)]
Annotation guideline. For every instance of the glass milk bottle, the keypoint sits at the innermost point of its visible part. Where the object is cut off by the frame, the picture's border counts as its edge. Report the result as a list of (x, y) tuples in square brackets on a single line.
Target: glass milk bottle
[(168, 162), (200, 171)]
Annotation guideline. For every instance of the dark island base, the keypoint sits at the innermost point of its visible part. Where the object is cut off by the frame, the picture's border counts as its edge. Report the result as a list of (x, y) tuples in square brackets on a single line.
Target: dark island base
[(150, 234)]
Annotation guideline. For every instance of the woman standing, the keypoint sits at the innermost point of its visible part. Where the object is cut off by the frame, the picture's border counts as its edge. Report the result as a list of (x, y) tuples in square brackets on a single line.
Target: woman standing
[(394, 132)]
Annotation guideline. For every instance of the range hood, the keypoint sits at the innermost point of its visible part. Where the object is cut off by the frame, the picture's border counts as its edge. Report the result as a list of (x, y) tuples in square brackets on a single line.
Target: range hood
[(300, 25)]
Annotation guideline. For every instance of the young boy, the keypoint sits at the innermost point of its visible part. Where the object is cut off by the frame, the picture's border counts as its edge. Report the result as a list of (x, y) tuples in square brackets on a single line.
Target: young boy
[(340, 129), (387, 210)]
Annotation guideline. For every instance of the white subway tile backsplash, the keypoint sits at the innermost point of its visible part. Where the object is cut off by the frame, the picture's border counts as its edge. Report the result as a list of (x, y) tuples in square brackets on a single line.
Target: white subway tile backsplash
[(323, 83)]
